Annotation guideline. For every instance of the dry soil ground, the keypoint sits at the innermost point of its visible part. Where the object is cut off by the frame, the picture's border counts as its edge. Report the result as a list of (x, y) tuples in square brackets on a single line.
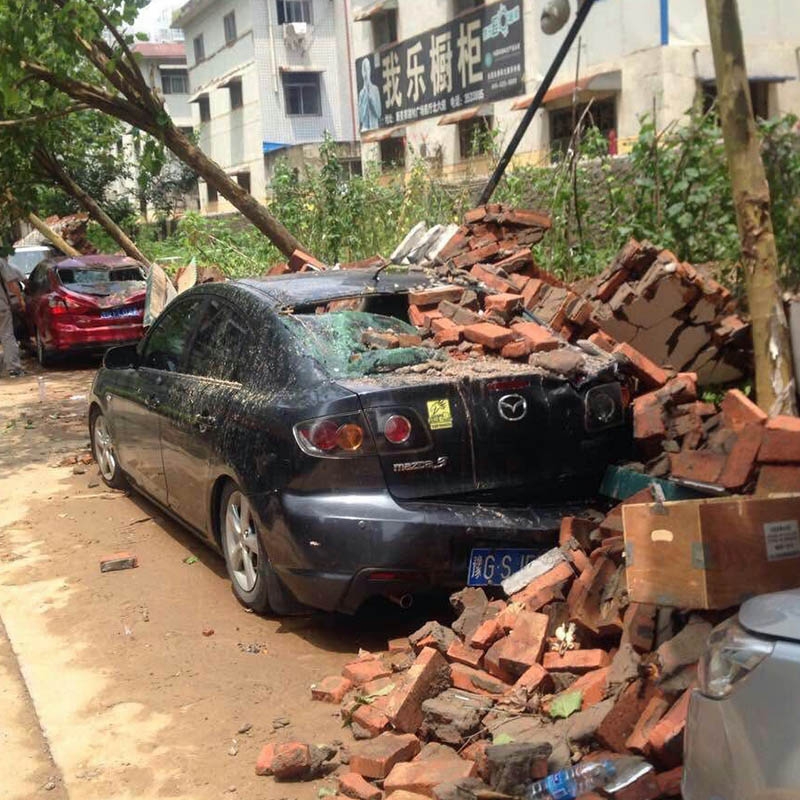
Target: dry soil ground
[(108, 687)]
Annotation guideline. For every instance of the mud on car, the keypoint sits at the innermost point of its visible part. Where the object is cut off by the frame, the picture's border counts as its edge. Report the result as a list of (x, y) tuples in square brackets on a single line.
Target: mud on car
[(328, 469)]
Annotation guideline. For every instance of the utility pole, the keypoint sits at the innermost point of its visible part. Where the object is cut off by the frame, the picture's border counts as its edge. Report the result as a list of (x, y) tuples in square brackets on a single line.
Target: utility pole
[(775, 389)]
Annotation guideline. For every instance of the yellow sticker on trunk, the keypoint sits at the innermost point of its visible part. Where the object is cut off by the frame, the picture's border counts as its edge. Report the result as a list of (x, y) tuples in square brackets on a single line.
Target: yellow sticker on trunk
[(439, 414)]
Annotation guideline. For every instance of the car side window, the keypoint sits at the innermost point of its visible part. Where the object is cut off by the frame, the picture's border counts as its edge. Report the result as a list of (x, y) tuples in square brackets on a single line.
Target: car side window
[(166, 345), (217, 343)]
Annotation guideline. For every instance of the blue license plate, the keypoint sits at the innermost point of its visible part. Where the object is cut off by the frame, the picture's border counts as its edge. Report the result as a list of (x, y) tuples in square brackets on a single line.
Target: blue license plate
[(489, 566), (119, 313)]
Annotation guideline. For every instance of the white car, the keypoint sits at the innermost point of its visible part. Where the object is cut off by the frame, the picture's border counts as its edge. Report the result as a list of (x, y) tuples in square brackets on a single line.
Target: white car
[(743, 730), (26, 258)]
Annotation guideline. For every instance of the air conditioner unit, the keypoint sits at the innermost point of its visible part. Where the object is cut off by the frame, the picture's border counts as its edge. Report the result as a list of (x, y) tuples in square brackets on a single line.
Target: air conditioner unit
[(296, 35), (298, 29)]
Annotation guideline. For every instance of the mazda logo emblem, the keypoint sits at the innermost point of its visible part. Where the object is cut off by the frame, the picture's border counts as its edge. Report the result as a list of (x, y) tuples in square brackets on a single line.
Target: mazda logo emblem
[(512, 407)]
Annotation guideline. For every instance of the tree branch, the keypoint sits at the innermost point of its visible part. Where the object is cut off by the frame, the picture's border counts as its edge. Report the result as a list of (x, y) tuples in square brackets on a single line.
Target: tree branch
[(10, 123)]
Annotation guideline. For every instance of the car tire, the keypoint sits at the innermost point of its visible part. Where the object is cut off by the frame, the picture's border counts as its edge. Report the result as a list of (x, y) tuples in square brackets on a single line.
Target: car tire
[(104, 453), (42, 356)]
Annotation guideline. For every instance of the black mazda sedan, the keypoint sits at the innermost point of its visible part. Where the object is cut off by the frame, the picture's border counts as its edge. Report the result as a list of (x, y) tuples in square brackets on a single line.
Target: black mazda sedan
[(328, 470)]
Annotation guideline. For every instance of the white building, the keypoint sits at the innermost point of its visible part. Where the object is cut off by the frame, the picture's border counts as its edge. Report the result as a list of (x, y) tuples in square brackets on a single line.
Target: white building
[(268, 79), (441, 73)]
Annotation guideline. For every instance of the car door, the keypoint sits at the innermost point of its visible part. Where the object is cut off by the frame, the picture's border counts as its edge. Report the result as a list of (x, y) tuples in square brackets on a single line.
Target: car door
[(137, 413), (193, 426)]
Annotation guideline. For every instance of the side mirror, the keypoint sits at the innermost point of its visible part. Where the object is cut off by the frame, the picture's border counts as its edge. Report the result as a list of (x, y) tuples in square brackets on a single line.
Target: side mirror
[(124, 357)]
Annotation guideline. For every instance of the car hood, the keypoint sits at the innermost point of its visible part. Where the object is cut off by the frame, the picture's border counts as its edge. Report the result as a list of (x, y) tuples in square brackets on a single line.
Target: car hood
[(776, 615)]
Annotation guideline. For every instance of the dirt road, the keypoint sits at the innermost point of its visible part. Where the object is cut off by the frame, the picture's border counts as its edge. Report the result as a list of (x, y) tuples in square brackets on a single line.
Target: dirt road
[(108, 687)]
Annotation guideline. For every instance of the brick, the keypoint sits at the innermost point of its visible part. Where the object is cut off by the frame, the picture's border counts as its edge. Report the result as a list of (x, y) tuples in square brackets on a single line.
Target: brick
[(670, 782), (619, 723), (520, 281), (649, 427), (299, 259), (475, 256), (491, 336), (443, 324), (541, 339), (518, 260), (558, 575), (456, 243), (645, 788), (521, 348), (363, 263), (449, 336), (460, 314), (592, 686), (379, 340), (697, 465), (428, 675), (423, 776), (535, 679), (279, 269), (603, 341), (118, 561), (434, 296), (461, 653), (377, 757), (653, 711), (370, 719), (778, 479), (576, 528), (487, 633), (491, 279), (585, 600), (784, 423), (780, 446), (520, 650), (478, 681), (577, 661), (476, 752), (474, 215), (650, 374), (400, 645), (422, 318), (504, 303), (739, 411), (365, 670), (666, 738), (290, 761), (639, 626), (531, 292), (331, 689), (741, 461), (264, 761), (351, 784)]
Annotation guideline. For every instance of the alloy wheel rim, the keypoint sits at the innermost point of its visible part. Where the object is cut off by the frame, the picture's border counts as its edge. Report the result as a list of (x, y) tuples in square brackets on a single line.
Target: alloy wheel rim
[(241, 541), (104, 449)]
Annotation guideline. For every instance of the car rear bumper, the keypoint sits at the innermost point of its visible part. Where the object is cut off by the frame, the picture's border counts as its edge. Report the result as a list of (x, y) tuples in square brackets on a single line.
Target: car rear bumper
[(67, 338), (335, 551)]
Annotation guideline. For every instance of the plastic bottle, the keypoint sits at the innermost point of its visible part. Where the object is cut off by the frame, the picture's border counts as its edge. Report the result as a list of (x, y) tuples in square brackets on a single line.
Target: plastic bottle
[(567, 784)]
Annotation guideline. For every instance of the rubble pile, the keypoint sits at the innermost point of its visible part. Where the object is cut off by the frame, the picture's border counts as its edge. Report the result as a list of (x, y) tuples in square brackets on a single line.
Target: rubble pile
[(565, 669), (71, 228)]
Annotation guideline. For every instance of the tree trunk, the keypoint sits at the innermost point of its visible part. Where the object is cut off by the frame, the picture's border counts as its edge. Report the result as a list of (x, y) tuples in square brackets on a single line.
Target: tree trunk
[(215, 176), (72, 188), (775, 392)]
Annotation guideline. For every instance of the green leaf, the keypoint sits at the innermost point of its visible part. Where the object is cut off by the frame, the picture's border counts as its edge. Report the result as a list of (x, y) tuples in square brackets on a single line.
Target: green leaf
[(379, 692), (566, 703), (502, 738), (190, 560), (326, 792)]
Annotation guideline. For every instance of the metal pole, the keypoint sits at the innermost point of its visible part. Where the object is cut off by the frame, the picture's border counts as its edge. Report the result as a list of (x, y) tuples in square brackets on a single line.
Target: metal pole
[(491, 184)]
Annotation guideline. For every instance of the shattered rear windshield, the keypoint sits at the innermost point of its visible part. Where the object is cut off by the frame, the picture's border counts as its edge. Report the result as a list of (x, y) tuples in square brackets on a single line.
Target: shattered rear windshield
[(341, 342), (102, 281)]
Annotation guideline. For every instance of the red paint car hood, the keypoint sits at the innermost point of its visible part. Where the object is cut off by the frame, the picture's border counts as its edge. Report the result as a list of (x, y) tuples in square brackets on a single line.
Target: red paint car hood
[(99, 296)]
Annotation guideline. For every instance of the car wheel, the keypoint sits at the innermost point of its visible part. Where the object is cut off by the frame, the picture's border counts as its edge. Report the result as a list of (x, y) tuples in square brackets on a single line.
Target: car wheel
[(41, 353), (105, 454), (248, 566)]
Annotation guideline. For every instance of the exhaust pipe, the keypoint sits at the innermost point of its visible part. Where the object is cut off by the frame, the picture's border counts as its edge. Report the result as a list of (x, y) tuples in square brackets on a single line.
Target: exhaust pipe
[(405, 601)]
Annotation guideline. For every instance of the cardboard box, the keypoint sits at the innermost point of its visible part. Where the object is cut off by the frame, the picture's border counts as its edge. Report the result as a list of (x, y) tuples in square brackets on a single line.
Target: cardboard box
[(712, 553)]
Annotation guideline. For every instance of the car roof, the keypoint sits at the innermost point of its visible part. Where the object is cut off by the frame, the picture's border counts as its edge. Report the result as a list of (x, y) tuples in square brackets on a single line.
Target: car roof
[(310, 288), (98, 261)]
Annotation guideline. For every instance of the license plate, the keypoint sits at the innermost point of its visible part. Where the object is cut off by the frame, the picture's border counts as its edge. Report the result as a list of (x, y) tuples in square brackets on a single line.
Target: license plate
[(490, 566), (119, 313)]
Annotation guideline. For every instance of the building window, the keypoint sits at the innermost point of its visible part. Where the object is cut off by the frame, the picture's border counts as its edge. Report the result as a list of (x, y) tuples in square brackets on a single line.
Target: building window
[(294, 11), (235, 88), (384, 28), (759, 97), (393, 152), (474, 136), (602, 115), (175, 82), (352, 167), (302, 93), (229, 24), (211, 193), (205, 108), (460, 6), (199, 49), (243, 179)]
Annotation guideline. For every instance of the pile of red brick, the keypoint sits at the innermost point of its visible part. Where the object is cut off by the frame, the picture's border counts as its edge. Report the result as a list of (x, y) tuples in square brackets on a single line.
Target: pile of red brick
[(733, 447), (566, 669)]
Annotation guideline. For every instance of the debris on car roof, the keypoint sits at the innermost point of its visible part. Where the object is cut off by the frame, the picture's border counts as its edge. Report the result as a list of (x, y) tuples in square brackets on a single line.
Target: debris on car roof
[(71, 228)]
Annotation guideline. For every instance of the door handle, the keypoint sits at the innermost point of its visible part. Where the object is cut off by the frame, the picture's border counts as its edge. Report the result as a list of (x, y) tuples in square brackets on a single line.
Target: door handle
[(152, 402), (205, 422)]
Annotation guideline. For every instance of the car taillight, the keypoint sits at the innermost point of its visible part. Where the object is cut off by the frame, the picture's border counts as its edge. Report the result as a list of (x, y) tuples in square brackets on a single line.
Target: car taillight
[(333, 437), (604, 407), (63, 305), (732, 654), (397, 429)]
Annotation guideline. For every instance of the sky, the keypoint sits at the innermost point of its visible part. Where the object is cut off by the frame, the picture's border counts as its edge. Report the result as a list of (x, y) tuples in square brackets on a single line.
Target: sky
[(148, 20)]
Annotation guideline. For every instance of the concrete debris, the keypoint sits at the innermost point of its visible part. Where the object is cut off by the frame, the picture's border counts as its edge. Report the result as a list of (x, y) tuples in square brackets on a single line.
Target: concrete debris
[(71, 228), (118, 561)]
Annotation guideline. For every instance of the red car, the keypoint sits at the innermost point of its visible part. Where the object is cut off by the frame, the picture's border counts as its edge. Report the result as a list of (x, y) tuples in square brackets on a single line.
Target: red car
[(85, 304)]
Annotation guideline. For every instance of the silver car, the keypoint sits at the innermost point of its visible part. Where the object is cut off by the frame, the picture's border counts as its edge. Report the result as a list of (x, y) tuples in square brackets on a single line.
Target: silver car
[(743, 730)]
